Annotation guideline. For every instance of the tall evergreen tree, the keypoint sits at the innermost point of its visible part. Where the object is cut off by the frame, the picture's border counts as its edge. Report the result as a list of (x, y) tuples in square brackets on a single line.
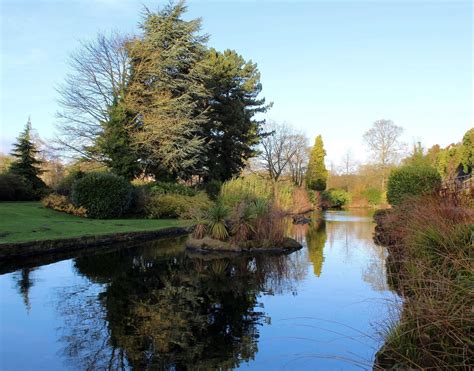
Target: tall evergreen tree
[(166, 91), (231, 132), (26, 164), (115, 143), (317, 174), (467, 152)]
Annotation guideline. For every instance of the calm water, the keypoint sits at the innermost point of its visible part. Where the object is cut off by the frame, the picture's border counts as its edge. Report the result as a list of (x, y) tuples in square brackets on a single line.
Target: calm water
[(155, 306)]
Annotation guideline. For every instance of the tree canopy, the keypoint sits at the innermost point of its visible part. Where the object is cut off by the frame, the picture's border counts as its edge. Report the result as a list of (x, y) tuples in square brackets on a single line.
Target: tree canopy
[(162, 103), (231, 132)]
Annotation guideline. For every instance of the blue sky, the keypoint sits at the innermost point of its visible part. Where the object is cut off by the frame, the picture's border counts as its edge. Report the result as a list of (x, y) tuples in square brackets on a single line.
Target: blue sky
[(330, 67)]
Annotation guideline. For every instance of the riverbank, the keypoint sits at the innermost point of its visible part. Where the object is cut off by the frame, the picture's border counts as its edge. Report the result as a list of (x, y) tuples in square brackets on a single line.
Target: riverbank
[(429, 241), (28, 228)]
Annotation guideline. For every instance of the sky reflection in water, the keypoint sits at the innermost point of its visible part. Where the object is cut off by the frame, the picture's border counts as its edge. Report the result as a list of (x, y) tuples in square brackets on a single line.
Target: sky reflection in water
[(157, 306)]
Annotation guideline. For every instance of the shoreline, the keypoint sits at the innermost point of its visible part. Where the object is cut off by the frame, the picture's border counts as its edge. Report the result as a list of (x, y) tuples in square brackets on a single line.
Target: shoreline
[(18, 250)]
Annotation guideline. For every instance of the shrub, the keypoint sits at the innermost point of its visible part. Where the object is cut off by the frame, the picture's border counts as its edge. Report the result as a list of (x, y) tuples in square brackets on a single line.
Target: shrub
[(314, 198), (373, 196), (15, 188), (172, 188), (103, 195), (141, 195), (410, 180), (63, 204), (213, 188), (175, 205), (336, 198), (64, 186)]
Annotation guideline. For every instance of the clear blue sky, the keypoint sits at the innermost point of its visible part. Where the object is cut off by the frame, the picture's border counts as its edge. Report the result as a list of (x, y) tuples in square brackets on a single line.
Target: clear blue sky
[(331, 67)]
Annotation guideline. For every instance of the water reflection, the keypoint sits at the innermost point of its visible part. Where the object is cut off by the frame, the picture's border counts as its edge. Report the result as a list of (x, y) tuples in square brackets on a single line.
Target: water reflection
[(314, 236), (24, 282), (351, 232), (156, 306), (163, 308)]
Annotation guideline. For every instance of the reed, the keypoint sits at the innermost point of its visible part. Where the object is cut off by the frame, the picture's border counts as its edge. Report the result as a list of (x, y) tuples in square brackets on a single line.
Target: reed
[(432, 240)]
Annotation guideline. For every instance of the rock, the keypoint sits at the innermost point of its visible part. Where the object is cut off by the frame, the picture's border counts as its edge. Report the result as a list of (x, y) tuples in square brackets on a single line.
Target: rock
[(301, 219)]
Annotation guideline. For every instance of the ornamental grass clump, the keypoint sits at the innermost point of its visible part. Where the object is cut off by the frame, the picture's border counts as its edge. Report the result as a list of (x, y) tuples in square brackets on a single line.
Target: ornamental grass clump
[(200, 225), (242, 221), (259, 222), (217, 221), (431, 266)]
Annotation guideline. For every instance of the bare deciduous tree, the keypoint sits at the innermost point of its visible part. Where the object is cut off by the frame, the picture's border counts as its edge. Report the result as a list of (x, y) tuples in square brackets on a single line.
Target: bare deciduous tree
[(299, 161), (347, 167), (348, 164), (383, 140), (100, 72), (282, 151)]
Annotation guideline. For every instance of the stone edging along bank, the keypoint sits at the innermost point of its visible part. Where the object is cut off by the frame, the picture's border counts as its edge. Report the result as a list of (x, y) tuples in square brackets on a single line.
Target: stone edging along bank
[(32, 248)]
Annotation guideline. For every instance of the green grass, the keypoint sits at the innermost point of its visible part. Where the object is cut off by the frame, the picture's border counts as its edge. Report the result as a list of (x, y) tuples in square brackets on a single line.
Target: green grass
[(30, 221)]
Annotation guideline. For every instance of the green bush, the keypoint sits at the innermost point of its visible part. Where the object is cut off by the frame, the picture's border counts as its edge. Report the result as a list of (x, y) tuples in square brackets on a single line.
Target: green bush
[(373, 196), (141, 194), (172, 188), (15, 188), (335, 198), (213, 188), (176, 205), (64, 186), (103, 195), (411, 180)]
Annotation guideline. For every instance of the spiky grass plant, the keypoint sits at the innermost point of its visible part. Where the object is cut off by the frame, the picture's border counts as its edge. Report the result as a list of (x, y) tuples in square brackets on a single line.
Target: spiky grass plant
[(242, 221), (216, 221), (219, 267), (200, 225)]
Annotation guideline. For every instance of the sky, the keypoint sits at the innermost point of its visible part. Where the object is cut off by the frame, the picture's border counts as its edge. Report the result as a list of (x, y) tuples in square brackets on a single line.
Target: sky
[(330, 67)]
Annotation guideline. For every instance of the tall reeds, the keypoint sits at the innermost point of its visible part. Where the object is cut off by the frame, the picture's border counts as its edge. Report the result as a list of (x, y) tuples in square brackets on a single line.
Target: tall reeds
[(431, 266)]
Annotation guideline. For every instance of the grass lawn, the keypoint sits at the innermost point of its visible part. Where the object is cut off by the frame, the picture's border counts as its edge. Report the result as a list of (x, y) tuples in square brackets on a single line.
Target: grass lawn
[(30, 221)]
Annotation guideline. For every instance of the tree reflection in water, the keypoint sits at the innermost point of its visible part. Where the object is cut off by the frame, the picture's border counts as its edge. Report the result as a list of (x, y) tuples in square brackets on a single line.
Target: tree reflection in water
[(356, 231), (24, 283), (316, 240), (159, 307)]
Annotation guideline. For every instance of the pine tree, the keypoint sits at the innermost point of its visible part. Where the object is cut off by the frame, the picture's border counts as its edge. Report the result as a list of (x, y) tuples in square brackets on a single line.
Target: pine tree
[(166, 91), (231, 132), (316, 174), (26, 164), (115, 142)]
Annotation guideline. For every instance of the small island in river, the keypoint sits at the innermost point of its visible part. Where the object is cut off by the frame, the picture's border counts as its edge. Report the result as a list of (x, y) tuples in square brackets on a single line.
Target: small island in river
[(207, 244)]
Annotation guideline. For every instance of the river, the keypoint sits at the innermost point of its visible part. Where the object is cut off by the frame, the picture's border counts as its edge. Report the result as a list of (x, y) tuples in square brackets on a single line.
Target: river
[(155, 306)]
